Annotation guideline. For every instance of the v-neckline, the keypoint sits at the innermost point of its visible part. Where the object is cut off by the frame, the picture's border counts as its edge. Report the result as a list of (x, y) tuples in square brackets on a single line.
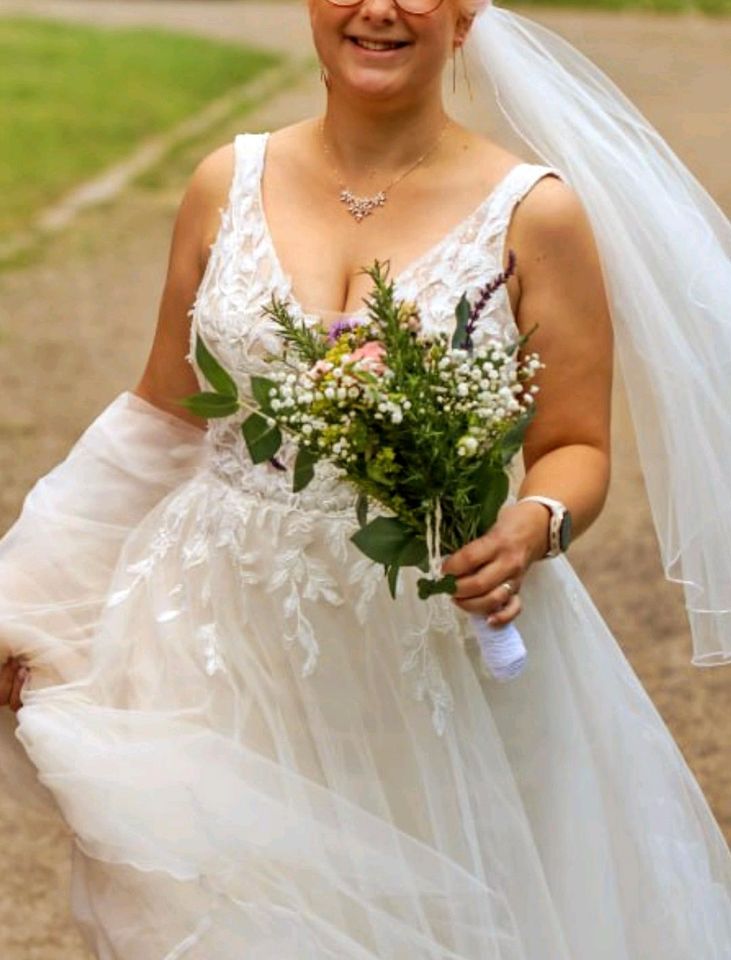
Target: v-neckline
[(398, 278)]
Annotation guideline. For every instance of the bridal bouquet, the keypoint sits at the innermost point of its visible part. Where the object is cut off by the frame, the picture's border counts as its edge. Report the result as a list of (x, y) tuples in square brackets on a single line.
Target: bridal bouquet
[(423, 424)]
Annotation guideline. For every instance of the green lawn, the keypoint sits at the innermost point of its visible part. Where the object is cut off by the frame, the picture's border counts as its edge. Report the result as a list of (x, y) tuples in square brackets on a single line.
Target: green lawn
[(74, 99)]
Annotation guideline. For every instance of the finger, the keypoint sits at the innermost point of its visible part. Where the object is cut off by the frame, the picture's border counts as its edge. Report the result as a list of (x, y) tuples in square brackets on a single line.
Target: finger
[(489, 579), (509, 612), (7, 676), (485, 604), (469, 558), (16, 701)]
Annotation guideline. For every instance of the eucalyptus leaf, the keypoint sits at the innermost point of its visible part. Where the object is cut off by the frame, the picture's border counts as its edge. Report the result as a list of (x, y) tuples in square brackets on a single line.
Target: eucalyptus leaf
[(261, 387), (221, 381), (462, 314), (384, 539), (361, 509), (262, 437), (209, 406), (414, 553), (304, 469), (430, 588), (494, 493), (512, 441), (392, 572), (521, 341)]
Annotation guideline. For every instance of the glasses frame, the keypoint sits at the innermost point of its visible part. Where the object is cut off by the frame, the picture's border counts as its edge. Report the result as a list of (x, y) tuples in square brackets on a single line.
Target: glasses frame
[(402, 9)]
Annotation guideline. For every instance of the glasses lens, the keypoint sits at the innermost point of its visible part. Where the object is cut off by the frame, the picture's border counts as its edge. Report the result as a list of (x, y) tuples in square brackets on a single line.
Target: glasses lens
[(418, 7)]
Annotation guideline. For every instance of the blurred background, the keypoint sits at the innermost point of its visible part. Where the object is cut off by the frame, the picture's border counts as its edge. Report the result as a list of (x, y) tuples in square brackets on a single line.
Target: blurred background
[(106, 107)]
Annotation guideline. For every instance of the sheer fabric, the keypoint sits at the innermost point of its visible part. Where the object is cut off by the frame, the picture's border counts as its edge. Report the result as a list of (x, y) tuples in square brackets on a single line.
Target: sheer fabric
[(665, 247)]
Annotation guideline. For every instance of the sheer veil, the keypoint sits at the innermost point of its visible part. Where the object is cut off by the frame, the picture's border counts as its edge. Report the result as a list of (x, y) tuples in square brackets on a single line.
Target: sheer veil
[(665, 248)]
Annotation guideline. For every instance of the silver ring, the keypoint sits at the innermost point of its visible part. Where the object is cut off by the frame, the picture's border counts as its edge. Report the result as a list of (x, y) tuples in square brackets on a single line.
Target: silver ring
[(507, 585)]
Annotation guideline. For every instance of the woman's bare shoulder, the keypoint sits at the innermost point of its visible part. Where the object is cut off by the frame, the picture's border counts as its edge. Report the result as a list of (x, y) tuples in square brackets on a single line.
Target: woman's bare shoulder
[(551, 214), (208, 190), (551, 204), (554, 233), (209, 186)]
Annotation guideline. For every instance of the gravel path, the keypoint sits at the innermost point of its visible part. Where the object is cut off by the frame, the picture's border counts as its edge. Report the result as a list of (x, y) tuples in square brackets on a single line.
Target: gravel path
[(75, 328)]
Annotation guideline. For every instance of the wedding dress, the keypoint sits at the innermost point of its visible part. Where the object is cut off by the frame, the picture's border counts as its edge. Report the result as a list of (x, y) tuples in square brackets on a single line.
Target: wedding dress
[(262, 755)]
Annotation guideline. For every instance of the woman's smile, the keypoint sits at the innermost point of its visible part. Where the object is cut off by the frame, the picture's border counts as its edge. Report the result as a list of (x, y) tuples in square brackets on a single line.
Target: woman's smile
[(377, 49)]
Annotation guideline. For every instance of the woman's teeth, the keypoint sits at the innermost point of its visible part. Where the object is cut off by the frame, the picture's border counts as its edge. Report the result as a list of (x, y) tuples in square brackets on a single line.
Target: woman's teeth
[(377, 44)]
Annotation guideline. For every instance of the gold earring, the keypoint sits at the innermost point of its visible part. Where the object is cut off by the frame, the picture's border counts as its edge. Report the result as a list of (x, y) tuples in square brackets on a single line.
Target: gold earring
[(324, 76), (466, 74), (454, 71)]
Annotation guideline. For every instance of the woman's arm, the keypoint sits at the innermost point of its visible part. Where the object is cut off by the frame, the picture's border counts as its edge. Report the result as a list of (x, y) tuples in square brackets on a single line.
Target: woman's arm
[(567, 446), (168, 376)]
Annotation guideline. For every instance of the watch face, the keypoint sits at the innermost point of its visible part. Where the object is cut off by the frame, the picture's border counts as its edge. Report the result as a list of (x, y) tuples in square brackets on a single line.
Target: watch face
[(564, 534)]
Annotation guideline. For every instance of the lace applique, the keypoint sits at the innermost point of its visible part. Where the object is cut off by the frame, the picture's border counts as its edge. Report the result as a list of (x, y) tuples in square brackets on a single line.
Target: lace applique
[(207, 636), (422, 664), (368, 576)]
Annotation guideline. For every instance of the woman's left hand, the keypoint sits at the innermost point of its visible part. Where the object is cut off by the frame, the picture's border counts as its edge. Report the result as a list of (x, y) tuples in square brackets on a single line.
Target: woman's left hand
[(500, 557)]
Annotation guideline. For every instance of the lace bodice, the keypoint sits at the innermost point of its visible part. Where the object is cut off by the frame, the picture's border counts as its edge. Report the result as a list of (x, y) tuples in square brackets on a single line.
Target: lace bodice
[(244, 271)]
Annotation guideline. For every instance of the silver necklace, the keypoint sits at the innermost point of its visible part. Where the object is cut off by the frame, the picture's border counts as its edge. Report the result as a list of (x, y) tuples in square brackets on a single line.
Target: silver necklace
[(361, 207)]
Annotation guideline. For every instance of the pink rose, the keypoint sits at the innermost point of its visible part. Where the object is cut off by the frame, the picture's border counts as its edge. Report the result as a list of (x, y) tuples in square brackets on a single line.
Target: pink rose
[(371, 356)]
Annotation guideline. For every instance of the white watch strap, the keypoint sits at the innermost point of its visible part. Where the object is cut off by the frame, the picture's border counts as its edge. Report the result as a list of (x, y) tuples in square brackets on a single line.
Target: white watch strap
[(557, 510)]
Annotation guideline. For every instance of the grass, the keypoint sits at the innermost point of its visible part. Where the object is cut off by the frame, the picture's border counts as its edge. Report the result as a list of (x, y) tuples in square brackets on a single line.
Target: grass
[(174, 169), (75, 99)]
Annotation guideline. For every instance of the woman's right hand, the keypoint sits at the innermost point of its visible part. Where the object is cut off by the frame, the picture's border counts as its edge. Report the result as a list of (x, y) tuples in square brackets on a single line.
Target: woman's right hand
[(13, 675)]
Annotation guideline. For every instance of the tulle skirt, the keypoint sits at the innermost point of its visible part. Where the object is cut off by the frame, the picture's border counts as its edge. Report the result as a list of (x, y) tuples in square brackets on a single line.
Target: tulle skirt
[(261, 754)]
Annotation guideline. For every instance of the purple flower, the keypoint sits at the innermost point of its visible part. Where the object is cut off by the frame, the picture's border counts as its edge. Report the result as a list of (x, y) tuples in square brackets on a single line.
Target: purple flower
[(342, 326), (485, 294)]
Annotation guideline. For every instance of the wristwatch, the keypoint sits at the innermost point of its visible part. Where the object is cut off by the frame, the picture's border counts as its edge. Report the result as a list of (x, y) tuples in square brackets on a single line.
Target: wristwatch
[(559, 529)]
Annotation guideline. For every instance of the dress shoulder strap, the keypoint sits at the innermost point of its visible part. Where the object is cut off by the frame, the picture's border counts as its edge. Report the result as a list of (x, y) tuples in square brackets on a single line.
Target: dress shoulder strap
[(249, 151), (232, 255), (517, 183)]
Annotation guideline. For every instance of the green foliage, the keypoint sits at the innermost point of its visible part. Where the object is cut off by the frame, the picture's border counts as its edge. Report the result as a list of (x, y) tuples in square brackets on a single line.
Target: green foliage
[(261, 388), (361, 509), (304, 468), (307, 343), (223, 400), (387, 539), (211, 405), (392, 574), (462, 315), (430, 588), (491, 488), (263, 438), (513, 438), (221, 381)]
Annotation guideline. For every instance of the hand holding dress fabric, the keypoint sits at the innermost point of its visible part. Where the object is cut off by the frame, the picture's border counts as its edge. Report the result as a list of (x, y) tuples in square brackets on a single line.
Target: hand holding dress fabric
[(13, 675)]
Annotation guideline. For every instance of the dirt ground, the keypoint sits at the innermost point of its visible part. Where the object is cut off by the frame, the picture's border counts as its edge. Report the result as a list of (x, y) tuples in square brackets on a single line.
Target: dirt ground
[(74, 330)]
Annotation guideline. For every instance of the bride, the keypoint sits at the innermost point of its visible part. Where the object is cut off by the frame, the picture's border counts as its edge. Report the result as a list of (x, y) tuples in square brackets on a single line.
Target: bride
[(259, 753)]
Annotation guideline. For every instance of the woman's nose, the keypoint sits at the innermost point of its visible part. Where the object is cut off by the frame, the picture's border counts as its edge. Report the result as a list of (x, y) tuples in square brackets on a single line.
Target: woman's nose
[(379, 10)]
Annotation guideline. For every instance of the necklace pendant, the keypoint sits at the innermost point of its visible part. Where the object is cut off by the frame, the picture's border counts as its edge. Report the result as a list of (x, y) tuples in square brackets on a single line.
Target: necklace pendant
[(361, 207)]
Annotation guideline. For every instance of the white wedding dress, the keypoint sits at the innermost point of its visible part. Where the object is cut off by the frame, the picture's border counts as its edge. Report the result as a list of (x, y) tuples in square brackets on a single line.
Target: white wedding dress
[(262, 756)]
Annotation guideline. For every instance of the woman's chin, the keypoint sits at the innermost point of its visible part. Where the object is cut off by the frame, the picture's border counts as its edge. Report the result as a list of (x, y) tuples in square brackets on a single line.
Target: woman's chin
[(375, 85)]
